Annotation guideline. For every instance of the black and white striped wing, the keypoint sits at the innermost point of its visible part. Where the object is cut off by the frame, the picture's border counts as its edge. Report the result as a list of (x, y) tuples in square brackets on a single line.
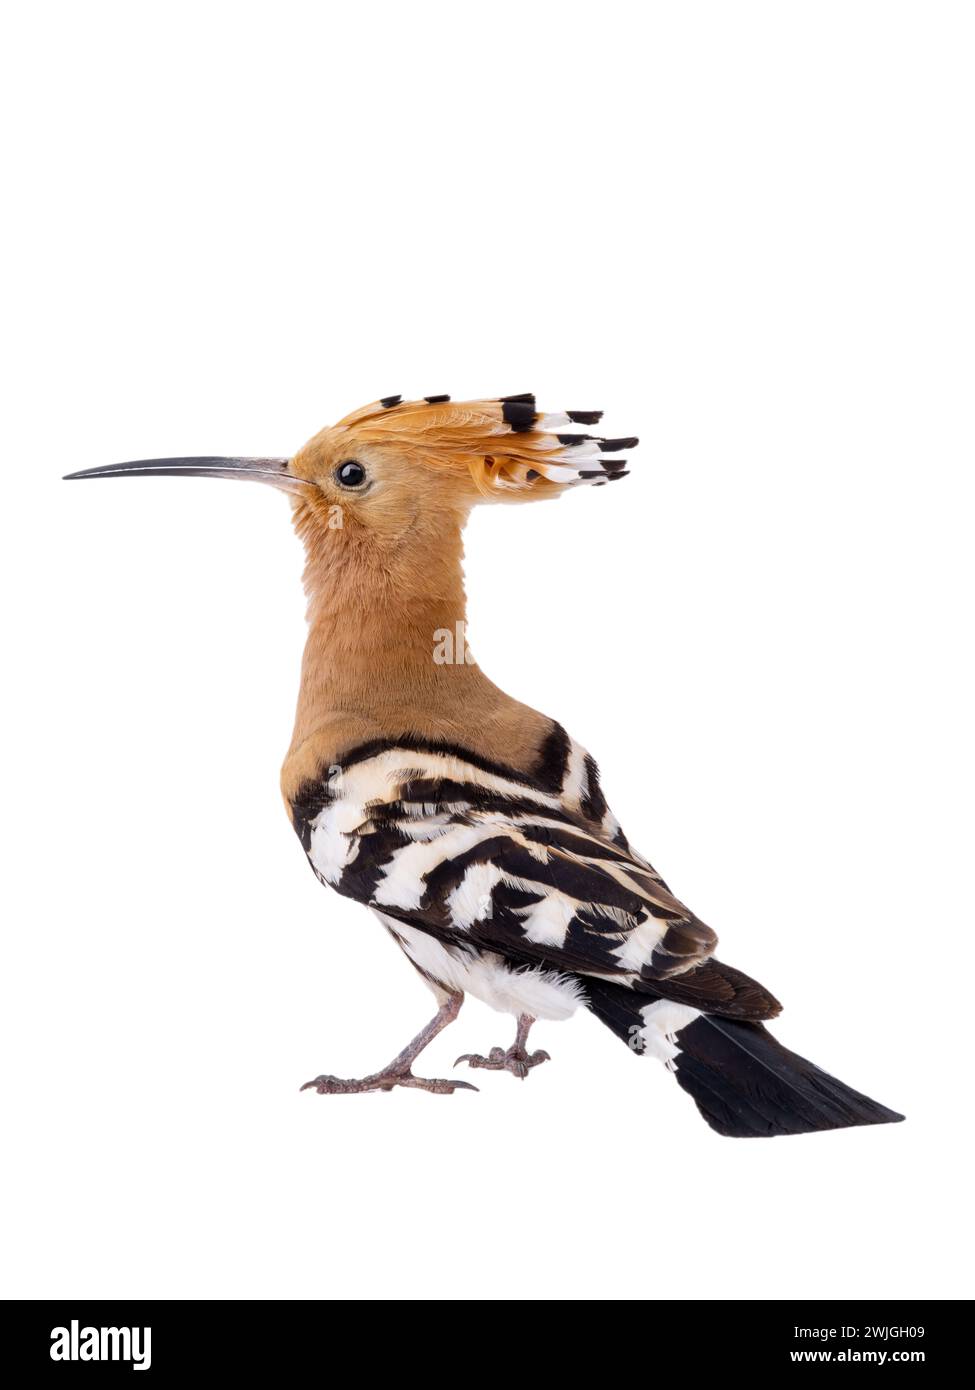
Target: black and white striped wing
[(468, 851)]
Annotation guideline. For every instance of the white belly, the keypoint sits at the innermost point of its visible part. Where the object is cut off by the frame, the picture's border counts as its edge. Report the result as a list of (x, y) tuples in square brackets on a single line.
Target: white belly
[(540, 993)]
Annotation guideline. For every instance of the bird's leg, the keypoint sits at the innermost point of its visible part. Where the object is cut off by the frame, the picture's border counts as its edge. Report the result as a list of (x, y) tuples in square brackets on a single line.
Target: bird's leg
[(517, 1059), (398, 1072)]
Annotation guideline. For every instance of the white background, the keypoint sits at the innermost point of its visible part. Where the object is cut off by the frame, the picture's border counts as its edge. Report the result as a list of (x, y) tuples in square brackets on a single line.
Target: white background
[(745, 231)]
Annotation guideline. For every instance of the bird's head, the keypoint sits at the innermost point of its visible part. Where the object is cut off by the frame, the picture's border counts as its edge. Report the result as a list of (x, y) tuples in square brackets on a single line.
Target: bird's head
[(392, 456), (383, 468)]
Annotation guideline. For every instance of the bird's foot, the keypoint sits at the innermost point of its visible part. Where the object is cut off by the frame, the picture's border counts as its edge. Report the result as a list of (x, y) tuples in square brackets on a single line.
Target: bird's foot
[(399, 1071), (517, 1060), (384, 1081)]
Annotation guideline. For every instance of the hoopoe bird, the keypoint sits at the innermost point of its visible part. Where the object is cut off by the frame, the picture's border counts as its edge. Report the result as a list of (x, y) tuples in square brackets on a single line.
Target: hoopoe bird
[(473, 826)]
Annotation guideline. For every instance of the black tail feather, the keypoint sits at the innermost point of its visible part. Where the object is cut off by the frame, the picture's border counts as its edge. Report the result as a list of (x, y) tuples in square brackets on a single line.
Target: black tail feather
[(744, 1082)]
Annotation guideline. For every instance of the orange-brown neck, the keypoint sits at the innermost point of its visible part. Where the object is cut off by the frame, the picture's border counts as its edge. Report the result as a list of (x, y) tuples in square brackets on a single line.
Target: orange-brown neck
[(386, 647)]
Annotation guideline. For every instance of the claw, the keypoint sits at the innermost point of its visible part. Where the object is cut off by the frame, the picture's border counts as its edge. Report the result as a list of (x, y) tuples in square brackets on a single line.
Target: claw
[(515, 1060), (328, 1085), (385, 1081), (439, 1086)]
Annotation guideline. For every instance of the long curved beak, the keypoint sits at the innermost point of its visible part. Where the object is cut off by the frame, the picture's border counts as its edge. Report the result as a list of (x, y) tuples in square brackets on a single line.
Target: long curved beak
[(266, 470)]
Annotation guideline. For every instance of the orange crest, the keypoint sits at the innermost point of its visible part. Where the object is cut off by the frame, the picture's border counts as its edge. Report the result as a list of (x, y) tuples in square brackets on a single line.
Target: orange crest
[(508, 445)]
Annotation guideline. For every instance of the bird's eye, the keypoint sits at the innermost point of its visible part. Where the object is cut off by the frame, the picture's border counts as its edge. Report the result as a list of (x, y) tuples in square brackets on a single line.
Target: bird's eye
[(351, 474)]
